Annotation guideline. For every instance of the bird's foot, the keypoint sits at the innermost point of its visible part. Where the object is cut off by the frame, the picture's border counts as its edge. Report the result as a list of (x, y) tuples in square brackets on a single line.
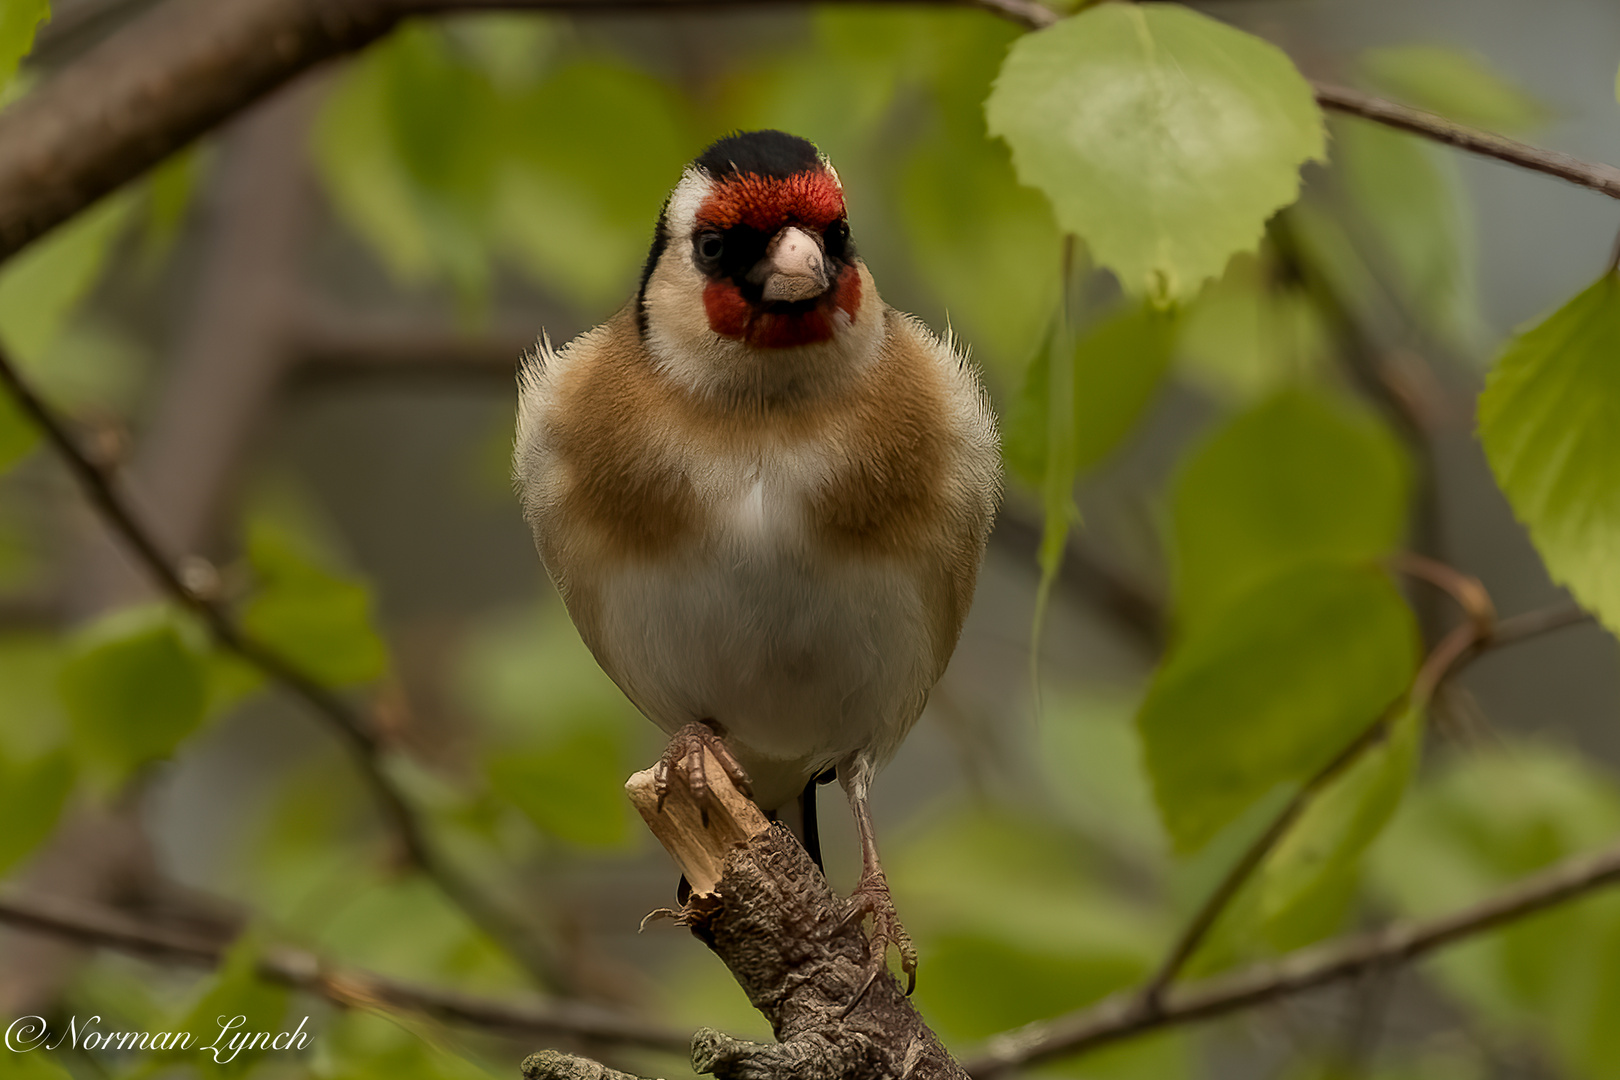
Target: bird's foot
[(871, 897), (685, 751)]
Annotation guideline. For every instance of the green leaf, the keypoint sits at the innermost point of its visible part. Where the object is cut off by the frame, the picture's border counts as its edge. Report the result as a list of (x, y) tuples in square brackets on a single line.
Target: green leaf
[(1409, 202), (597, 146), (561, 732), (1455, 83), (31, 798), (1549, 419), (40, 287), (1117, 367), (19, 19), (1164, 139), (996, 269), (35, 1065), (1325, 843), (1268, 693), (1092, 763), (134, 686), (170, 189), (234, 1001), (32, 720), (1299, 477), (1247, 336), (1488, 819), (406, 147), (573, 789), (318, 621), (17, 433)]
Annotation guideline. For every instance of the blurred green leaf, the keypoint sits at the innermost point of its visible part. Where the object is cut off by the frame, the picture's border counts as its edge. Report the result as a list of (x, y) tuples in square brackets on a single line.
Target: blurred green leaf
[(405, 927), (573, 789), (1246, 337), (406, 147), (17, 433), (1117, 367), (235, 991), (997, 269), (40, 287), (35, 1066), (31, 798), (38, 291), (1268, 693), (19, 19), (1488, 819), (1324, 845), (1164, 139), (396, 1046), (1411, 207), (561, 732), (1092, 762), (32, 719), (1458, 84), (595, 148), (170, 188), (1549, 419), (134, 686), (320, 622), (1298, 477)]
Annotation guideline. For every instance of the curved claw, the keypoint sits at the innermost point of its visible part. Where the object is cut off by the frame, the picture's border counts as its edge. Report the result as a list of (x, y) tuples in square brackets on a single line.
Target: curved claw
[(871, 897)]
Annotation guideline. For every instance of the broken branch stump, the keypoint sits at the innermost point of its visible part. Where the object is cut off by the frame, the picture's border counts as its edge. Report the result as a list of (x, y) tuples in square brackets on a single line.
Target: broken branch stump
[(768, 914)]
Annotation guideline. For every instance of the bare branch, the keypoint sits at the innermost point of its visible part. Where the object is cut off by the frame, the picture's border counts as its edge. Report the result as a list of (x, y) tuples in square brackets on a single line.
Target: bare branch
[(330, 346), (93, 925), (1125, 1016), (1599, 177), (366, 750), (177, 72)]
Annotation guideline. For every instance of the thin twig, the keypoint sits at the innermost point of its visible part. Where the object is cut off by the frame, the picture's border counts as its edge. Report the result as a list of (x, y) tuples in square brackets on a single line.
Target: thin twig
[(1158, 1002), (1466, 589), (1458, 647), (349, 987), (366, 750), (1123, 1016), (179, 71), (1599, 177), (1198, 928)]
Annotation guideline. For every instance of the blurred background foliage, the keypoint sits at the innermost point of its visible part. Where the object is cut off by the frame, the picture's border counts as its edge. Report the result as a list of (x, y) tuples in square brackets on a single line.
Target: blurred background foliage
[(1245, 453)]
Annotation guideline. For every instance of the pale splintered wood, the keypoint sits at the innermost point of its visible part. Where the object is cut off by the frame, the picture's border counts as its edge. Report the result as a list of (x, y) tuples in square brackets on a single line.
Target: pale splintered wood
[(700, 851)]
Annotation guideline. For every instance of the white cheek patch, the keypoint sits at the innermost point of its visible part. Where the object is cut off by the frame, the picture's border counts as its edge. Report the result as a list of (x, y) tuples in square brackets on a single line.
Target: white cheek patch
[(685, 202)]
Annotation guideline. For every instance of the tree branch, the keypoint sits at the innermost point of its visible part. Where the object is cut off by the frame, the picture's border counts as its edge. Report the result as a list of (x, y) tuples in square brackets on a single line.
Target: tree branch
[(1455, 651), (349, 987), (367, 752), (766, 911), (1599, 177), (1125, 1016), (177, 72)]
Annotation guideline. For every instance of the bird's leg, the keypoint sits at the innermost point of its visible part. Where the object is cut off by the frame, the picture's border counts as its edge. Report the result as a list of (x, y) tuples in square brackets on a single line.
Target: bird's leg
[(685, 750), (871, 896)]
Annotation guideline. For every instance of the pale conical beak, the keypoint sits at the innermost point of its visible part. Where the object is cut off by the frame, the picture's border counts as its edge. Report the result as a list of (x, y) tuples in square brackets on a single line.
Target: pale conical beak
[(794, 267)]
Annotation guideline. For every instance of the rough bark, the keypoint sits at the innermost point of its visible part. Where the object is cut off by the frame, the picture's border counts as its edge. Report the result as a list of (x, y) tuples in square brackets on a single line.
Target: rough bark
[(774, 922)]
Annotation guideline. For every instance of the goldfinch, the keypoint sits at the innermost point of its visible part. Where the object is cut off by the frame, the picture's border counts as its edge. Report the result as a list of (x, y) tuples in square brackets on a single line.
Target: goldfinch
[(763, 493)]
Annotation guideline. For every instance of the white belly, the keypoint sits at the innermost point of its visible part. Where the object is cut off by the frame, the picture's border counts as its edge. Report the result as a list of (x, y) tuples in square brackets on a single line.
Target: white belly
[(801, 657)]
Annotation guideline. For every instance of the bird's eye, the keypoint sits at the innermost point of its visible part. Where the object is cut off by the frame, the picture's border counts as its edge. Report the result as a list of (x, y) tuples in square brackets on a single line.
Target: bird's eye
[(710, 245), (836, 238)]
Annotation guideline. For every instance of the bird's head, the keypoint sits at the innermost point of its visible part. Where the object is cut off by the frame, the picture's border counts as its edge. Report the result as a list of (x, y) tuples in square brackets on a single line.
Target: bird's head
[(753, 280)]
